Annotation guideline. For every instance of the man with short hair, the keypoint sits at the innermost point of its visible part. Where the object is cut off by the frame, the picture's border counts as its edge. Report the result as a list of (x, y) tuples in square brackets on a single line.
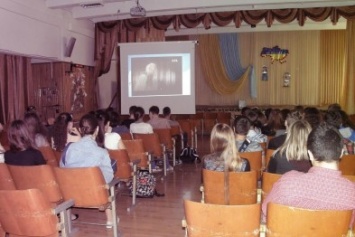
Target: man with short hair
[(323, 187), (155, 120)]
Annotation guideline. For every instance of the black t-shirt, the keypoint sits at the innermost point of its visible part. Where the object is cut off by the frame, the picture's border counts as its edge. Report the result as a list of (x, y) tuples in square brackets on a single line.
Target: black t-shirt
[(27, 157)]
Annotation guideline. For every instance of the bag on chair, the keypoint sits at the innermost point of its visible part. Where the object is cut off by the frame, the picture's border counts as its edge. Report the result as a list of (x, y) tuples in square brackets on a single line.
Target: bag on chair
[(146, 183)]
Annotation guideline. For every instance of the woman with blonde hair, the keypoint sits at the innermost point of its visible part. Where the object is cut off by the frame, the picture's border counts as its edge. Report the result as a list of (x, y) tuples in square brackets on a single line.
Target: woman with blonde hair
[(224, 155), (292, 154)]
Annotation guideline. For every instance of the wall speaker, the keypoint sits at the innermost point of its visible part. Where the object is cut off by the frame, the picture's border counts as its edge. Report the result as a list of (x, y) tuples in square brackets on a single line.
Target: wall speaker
[(69, 47)]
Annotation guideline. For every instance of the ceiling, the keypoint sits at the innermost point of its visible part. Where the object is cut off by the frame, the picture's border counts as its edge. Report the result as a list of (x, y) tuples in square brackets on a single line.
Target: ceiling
[(106, 10)]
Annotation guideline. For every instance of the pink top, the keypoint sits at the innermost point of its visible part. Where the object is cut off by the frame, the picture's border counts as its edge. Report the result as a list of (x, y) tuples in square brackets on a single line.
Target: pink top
[(319, 189)]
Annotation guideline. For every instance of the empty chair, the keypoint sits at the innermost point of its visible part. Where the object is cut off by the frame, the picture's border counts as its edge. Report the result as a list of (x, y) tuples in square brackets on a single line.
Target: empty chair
[(255, 160), (87, 187), (135, 150), (190, 130), (196, 121), (210, 220), (267, 182), (49, 155), (350, 177), (6, 180), (126, 170), (152, 145), (29, 213), (347, 165), (166, 138), (291, 221), (242, 187)]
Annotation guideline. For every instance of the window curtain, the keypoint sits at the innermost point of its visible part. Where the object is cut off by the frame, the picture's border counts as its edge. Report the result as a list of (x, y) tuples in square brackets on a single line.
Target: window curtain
[(16, 87), (348, 90), (214, 69)]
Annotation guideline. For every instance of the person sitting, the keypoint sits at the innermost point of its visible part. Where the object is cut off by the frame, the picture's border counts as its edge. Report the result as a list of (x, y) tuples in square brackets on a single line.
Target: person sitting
[(36, 129), (254, 133), (87, 153), (22, 146), (139, 126), (292, 154), (276, 142), (322, 187), (155, 120), (224, 156), (241, 128), (63, 132), (131, 119), (115, 123)]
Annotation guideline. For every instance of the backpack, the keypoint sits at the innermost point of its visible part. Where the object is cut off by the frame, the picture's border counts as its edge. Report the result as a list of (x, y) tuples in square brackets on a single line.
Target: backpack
[(145, 185), (189, 155)]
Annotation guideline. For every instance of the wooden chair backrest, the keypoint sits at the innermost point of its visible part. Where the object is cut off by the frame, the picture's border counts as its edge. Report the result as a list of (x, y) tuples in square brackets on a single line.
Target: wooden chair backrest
[(6, 180), (187, 128), (37, 177), (350, 177), (27, 213), (126, 136), (255, 160), (135, 150), (175, 130), (165, 137), (269, 153), (124, 170), (347, 165), (151, 143), (242, 187), (291, 221), (49, 155), (210, 220), (267, 183), (85, 185)]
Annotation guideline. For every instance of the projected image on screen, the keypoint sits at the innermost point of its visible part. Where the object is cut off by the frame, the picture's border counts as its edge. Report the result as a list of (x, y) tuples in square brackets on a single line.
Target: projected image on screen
[(158, 76)]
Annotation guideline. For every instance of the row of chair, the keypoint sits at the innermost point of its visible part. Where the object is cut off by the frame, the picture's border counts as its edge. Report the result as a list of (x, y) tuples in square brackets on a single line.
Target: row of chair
[(243, 187), (210, 220), (62, 188)]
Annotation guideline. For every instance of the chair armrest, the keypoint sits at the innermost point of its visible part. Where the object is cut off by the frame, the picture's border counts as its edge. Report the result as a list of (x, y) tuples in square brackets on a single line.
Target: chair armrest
[(63, 206), (113, 183), (135, 162)]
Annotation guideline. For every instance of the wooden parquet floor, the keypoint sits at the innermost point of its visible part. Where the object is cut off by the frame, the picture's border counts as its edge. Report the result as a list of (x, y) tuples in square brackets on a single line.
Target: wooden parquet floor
[(158, 216)]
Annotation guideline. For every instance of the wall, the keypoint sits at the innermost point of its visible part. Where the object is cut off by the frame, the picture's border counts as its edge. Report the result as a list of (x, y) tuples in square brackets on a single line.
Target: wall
[(30, 28)]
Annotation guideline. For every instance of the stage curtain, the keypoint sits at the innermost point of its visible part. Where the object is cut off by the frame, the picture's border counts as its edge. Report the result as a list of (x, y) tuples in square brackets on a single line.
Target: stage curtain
[(348, 90), (331, 67), (16, 87), (213, 67)]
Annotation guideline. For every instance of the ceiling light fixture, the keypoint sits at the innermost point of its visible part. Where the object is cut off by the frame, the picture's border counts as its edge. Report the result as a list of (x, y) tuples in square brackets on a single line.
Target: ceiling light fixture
[(138, 10)]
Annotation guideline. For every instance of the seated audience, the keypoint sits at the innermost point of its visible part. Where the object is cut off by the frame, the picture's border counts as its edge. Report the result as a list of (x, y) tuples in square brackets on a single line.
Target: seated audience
[(322, 187), (22, 146), (36, 129), (224, 156), (155, 120), (312, 115), (63, 131), (276, 142), (334, 118), (347, 128), (241, 128), (87, 153), (131, 119), (139, 126), (115, 123), (254, 133), (292, 154), (276, 122), (105, 136)]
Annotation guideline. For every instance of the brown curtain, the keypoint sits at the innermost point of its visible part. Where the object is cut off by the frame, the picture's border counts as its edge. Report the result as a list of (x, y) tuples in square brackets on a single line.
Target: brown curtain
[(16, 87), (348, 92)]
